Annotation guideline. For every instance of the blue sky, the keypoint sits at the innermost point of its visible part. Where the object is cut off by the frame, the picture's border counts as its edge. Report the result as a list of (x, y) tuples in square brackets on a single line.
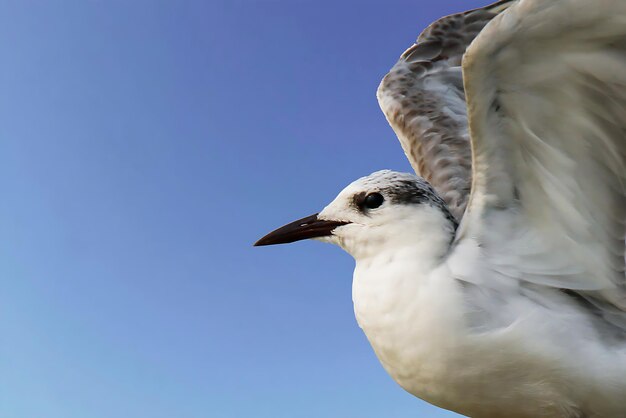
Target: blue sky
[(145, 146)]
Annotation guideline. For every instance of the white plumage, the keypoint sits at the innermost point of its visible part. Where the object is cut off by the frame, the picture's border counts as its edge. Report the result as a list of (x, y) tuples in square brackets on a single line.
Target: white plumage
[(519, 311)]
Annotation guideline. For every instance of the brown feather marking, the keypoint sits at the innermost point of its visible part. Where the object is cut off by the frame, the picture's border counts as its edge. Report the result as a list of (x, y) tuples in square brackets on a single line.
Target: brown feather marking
[(424, 101)]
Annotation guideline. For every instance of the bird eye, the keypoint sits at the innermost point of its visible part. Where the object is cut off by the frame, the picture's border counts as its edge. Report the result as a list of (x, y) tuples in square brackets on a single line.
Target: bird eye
[(373, 200)]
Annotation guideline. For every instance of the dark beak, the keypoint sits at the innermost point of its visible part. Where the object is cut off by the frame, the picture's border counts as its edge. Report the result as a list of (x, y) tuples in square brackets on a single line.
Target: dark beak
[(309, 227)]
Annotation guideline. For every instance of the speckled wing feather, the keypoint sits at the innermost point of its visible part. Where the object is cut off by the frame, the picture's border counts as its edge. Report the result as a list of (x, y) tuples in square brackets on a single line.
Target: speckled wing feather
[(424, 101)]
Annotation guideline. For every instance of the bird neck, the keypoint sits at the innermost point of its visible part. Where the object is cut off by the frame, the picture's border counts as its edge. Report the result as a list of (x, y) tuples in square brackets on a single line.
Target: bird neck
[(392, 269)]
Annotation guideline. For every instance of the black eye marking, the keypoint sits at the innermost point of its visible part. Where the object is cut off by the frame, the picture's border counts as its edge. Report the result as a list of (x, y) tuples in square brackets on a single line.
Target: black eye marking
[(370, 201)]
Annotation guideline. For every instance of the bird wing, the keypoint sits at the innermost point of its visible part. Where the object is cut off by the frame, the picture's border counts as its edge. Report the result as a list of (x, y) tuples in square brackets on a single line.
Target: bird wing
[(546, 93), (424, 101)]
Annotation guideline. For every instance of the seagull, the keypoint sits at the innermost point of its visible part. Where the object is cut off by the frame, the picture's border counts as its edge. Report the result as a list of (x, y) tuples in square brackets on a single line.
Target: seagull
[(492, 283)]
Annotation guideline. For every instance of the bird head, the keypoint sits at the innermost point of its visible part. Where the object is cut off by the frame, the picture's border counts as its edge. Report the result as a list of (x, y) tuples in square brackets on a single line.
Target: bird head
[(386, 209)]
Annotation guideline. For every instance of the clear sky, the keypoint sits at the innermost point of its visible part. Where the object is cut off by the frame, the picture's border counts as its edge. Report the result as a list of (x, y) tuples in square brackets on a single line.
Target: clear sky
[(144, 146)]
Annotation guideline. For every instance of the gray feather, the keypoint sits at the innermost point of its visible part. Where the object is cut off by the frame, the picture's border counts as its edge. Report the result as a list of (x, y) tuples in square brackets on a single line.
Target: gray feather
[(424, 101)]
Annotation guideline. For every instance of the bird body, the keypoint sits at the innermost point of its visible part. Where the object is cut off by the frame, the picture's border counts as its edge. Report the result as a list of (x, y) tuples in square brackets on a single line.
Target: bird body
[(434, 352), (509, 300), (542, 364)]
